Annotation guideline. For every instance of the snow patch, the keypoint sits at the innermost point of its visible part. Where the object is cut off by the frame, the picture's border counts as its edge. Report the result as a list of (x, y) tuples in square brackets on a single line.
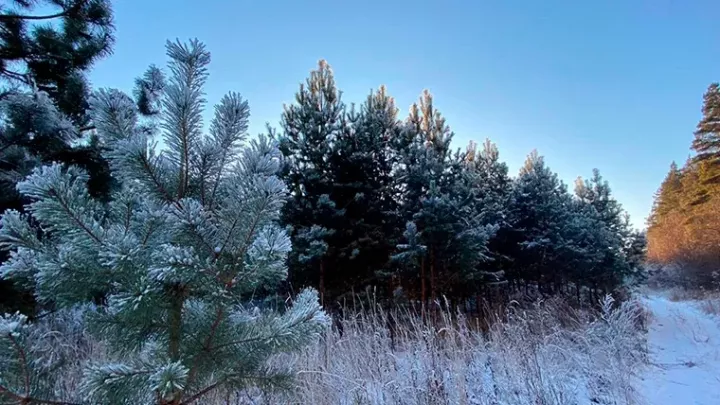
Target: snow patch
[(684, 345)]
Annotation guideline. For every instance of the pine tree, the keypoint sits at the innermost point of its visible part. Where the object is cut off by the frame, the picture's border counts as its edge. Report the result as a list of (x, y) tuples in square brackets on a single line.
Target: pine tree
[(584, 252), (636, 254), (666, 198), (541, 211), (410, 255), (614, 226), (596, 192), (190, 235), (422, 168), (45, 49), (424, 152), (361, 166), (665, 234), (492, 186), (688, 236), (43, 60), (50, 50), (707, 134), (35, 132), (436, 194), (310, 127)]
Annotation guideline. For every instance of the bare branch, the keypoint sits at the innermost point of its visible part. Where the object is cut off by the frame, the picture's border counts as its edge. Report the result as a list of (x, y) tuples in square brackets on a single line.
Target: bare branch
[(30, 400), (33, 17), (63, 13), (203, 391), (16, 76)]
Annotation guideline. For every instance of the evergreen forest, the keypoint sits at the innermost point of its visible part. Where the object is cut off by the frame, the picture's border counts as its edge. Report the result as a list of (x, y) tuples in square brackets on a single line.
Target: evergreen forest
[(200, 258)]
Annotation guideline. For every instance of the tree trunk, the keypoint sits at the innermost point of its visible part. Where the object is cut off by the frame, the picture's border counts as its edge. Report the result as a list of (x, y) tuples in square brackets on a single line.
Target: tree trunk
[(321, 285), (577, 292), (391, 284), (423, 291), (175, 324), (433, 286)]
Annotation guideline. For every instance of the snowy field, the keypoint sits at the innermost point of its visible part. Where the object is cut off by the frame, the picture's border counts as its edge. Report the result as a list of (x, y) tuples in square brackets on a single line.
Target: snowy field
[(684, 346)]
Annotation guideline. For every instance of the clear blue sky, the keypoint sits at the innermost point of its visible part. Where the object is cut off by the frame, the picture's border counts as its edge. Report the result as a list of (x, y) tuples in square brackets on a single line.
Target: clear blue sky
[(612, 84)]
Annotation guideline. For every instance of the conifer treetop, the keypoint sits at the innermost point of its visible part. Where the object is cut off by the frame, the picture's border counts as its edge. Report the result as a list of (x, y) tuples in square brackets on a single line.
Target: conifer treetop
[(707, 134)]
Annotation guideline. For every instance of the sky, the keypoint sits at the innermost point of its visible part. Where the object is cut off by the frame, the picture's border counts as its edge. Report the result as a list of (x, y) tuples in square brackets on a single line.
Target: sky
[(615, 85)]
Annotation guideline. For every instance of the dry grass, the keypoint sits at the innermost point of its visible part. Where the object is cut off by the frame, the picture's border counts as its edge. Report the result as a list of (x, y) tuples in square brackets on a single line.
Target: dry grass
[(711, 304), (684, 294), (62, 343), (548, 354), (708, 301)]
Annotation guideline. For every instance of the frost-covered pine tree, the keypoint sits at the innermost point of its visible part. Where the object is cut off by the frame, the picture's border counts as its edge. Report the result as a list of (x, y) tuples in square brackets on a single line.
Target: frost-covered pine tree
[(435, 193), (34, 131), (635, 253), (423, 150), (588, 241), (707, 134), (310, 126), (190, 234), (541, 206), (361, 163), (491, 187), (614, 225)]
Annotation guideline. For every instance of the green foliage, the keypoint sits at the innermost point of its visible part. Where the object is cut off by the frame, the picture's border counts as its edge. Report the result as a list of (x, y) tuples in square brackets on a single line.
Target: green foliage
[(361, 164), (707, 134), (309, 126), (540, 211), (194, 232), (339, 166), (377, 200), (438, 192), (54, 57), (176, 254), (46, 47)]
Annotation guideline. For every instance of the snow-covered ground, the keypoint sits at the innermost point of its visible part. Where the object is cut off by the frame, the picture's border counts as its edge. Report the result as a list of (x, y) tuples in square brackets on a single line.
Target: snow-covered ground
[(684, 345), (545, 354)]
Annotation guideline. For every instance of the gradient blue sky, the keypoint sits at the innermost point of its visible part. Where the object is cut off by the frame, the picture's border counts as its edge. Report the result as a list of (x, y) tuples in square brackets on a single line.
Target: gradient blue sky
[(613, 84)]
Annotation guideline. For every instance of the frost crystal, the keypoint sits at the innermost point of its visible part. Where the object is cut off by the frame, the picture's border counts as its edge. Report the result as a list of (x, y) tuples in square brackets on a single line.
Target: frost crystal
[(12, 325)]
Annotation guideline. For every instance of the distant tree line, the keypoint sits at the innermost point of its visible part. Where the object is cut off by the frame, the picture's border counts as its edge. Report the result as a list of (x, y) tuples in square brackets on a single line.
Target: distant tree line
[(684, 226), (374, 200), (384, 202)]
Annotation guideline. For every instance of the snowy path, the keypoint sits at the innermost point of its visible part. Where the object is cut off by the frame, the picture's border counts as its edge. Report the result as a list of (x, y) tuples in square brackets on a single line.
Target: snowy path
[(684, 346)]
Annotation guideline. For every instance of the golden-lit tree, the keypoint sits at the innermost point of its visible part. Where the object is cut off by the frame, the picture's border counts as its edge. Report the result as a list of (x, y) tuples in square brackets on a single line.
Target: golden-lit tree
[(684, 227)]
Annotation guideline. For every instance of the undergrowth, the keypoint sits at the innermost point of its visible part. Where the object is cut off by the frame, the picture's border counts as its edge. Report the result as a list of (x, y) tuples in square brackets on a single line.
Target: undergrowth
[(545, 354), (707, 300)]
